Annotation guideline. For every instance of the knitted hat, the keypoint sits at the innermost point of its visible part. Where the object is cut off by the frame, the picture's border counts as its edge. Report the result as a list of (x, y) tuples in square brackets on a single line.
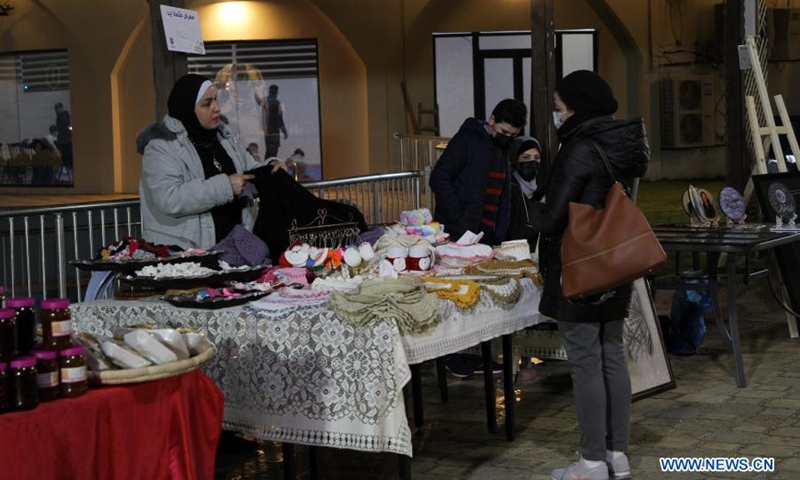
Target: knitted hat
[(586, 91)]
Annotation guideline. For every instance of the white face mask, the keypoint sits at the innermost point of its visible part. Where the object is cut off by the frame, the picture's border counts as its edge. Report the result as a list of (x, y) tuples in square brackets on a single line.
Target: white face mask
[(557, 119)]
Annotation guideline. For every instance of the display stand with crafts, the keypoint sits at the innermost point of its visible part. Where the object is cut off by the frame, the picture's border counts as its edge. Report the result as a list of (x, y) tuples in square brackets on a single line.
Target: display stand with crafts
[(368, 314)]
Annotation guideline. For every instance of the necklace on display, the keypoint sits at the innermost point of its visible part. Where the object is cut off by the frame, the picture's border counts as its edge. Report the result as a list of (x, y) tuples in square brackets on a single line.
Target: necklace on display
[(210, 145)]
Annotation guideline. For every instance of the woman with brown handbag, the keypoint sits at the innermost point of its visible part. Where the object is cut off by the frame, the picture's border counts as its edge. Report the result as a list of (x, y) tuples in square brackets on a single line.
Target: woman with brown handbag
[(591, 328)]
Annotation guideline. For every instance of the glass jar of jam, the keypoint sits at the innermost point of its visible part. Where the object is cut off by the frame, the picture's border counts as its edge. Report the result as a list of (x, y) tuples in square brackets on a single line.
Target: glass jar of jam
[(47, 374), (56, 324), (73, 372), (5, 400), (8, 335), (24, 390), (26, 323)]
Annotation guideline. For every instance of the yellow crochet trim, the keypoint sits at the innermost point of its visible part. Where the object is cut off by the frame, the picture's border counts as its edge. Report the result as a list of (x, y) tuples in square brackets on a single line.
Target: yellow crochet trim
[(463, 293)]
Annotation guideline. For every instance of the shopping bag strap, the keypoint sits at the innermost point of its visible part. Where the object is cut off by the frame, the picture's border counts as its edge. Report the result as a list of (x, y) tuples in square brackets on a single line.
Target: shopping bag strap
[(607, 164)]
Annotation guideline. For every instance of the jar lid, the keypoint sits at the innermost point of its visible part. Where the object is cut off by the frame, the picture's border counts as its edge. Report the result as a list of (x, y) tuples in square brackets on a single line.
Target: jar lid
[(76, 350), (44, 354), (7, 313), (55, 303), (20, 302), (23, 362), (2, 366)]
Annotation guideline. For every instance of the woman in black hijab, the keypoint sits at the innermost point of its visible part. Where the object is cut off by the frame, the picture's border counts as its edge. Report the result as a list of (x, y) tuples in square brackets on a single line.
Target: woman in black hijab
[(192, 171)]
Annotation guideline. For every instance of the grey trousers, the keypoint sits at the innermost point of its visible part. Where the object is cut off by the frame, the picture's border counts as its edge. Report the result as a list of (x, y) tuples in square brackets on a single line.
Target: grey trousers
[(601, 385)]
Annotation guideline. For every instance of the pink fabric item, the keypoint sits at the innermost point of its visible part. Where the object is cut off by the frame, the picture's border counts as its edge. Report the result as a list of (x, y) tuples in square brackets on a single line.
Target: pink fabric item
[(285, 275)]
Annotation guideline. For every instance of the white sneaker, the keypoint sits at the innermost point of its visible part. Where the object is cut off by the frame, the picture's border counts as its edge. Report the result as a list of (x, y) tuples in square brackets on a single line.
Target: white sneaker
[(580, 470), (618, 466)]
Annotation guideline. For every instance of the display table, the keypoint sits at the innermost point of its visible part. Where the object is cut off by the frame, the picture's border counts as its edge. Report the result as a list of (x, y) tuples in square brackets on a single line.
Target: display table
[(732, 240), (308, 377), (165, 429)]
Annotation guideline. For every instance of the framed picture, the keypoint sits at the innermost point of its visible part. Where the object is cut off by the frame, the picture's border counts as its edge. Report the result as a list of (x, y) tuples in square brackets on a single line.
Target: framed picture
[(778, 196), (648, 362)]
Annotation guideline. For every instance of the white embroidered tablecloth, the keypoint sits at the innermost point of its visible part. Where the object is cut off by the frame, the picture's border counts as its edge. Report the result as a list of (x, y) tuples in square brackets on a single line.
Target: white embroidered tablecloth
[(460, 329), (305, 376)]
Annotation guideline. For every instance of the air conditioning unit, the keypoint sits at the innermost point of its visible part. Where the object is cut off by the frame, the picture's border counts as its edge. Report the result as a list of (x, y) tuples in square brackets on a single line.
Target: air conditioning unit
[(688, 108)]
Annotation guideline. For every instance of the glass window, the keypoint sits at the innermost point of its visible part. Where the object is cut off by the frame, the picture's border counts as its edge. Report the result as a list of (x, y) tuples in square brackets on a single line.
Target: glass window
[(36, 129), (269, 94)]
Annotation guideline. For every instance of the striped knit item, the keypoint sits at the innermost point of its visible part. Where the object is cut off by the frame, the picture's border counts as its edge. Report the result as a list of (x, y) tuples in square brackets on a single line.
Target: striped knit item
[(494, 189)]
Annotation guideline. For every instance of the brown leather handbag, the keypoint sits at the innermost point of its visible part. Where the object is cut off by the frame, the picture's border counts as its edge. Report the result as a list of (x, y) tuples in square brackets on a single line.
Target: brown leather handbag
[(605, 249)]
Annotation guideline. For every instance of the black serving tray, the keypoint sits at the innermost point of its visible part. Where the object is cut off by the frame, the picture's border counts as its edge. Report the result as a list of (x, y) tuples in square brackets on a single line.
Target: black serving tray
[(129, 266), (189, 300), (217, 278)]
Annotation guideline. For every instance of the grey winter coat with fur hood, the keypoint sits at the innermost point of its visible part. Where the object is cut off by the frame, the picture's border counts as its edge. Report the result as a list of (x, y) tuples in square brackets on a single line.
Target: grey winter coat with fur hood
[(176, 198)]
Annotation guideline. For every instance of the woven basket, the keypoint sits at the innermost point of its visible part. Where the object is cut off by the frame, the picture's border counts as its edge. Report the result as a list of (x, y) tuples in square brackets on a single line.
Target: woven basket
[(148, 374)]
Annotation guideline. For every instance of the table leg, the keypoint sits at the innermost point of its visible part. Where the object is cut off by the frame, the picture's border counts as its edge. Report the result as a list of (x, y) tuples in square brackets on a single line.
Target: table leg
[(488, 382), (713, 290), (313, 462), (730, 336), (738, 361), (405, 467), (441, 376), (509, 394), (416, 394), (289, 465)]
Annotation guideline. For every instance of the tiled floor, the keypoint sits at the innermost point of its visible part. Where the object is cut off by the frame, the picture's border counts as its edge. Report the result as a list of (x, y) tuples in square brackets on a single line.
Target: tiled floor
[(706, 415)]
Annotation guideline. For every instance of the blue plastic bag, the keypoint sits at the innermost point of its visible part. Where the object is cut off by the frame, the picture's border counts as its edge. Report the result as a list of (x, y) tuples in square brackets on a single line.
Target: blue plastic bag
[(688, 317)]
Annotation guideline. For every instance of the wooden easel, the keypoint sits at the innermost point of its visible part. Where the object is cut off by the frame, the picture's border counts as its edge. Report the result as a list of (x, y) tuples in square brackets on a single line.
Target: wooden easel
[(768, 136)]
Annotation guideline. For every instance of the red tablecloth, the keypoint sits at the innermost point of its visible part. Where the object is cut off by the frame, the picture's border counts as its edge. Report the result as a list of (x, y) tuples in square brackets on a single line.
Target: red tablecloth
[(166, 429)]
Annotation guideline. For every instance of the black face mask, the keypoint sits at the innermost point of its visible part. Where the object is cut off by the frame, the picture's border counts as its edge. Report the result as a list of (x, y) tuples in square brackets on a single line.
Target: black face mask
[(528, 170), (502, 141)]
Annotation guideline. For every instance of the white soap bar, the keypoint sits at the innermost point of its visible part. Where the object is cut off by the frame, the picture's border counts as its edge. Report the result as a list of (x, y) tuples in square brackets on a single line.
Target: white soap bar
[(122, 355), (173, 340), (149, 347), (196, 342)]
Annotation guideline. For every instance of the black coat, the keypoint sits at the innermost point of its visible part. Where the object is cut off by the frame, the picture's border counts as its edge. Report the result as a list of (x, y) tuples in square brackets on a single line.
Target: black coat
[(578, 175), (283, 200), (460, 177)]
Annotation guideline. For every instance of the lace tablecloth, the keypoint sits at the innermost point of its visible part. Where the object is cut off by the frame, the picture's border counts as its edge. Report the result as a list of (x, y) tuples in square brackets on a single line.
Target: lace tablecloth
[(489, 318), (306, 376)]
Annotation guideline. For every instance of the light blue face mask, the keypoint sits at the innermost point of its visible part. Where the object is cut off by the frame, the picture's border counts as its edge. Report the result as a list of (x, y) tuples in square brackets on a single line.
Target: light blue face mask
[(557, 121)]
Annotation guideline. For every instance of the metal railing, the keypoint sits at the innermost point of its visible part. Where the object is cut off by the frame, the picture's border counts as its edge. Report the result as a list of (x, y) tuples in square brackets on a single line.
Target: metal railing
[(37, 244), (381, 197), (420, 152)]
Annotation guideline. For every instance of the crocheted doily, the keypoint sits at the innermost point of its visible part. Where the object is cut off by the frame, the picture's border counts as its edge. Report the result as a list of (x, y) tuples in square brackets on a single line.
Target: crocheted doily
[(463, 293)]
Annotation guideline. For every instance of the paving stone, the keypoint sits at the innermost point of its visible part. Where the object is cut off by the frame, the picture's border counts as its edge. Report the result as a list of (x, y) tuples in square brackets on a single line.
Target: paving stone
[(720, 446), (786, 432), (747, 401), (792, 464), (703, 398), (792, 404), (764, 450), (732, 436), (760, 393), (751, 428)]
